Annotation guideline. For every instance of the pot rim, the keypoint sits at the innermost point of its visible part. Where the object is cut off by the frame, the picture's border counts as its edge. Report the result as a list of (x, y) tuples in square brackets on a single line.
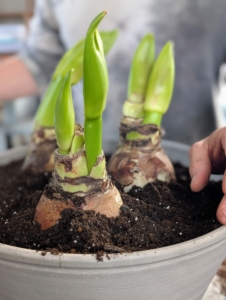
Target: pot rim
[(20, 151), (186, 249)]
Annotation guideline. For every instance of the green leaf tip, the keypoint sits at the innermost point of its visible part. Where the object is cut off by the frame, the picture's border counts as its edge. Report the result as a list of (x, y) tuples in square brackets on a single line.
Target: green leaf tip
[(46, 110), (108, 38), (65, 116), (161, 83), (141, 66), (95, 86), (72, 59)]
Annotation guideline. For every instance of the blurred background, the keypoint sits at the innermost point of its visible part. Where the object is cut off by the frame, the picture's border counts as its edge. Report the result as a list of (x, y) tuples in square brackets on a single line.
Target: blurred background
[(15, 116)]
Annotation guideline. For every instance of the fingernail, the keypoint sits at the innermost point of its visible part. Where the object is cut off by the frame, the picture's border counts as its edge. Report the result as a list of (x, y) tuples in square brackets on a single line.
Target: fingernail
[(224, 212), (193, 177)]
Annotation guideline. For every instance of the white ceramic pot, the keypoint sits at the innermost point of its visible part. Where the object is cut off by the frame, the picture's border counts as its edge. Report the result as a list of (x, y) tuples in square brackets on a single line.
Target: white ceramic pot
[(179, 272)]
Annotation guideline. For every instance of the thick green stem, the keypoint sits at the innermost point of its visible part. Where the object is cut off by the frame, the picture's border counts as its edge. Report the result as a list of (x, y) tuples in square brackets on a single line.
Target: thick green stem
[(93, 140), (153, 117)]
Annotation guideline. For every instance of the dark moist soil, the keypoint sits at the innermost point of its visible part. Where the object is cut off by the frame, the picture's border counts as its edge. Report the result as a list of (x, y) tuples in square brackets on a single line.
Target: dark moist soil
[(156, 216)]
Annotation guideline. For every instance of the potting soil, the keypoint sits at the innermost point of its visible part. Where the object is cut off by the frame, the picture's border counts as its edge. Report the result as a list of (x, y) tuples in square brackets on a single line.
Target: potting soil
[(156, 216)]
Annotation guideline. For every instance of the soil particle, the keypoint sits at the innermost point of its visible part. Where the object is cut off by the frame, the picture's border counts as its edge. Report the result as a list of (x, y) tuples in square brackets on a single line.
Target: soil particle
[(156, 216)]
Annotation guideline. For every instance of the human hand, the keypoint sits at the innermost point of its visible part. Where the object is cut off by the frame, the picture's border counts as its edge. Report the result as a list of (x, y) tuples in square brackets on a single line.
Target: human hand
[(209, 156)]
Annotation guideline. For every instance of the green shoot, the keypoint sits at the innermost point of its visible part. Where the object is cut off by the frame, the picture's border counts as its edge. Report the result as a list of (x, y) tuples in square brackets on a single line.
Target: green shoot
[(65, 116), (141, 67), (160, 86), (142, 63), (95, 90), (72, 59)]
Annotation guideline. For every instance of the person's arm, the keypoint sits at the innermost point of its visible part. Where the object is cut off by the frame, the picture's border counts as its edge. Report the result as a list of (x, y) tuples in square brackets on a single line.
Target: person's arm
[(30, 72), (43, 47), (206, 157), (15, 79)]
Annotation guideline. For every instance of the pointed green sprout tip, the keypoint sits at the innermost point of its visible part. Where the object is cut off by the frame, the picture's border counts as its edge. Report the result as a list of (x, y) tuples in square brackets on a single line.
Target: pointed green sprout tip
[(95, 90), (65, 116), (141, 67), (95, 85), (72, 59), (160, 86)]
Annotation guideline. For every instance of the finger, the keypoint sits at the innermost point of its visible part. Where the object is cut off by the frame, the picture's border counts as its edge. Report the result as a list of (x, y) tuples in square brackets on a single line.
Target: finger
[(200, 178), (224, 183), (221, 211), (200, 166)]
